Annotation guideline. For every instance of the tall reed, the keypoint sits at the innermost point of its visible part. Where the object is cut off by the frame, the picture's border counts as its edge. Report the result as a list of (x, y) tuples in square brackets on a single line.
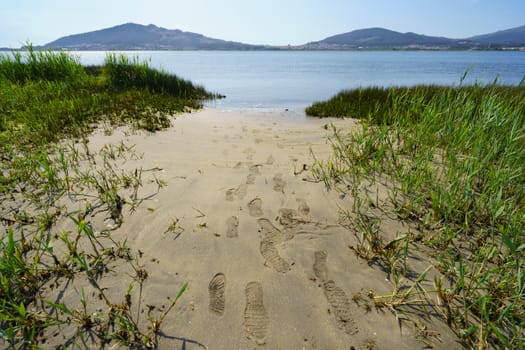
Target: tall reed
[(33, 65), (131, 73)]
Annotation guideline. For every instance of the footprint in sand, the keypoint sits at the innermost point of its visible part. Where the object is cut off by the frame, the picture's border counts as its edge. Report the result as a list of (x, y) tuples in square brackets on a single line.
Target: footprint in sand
[(278, 183), (271, 237), (272, 257), (340, 306), (216, 289), (239, 192), (299, 222), (255, 207), (254, 171), (320, 269), (336, 297), (232, 227), (250, 179), (230, 194), (288, 217), (270, 160), (256, 319), (303, 209), (249, 152), (273, 233)]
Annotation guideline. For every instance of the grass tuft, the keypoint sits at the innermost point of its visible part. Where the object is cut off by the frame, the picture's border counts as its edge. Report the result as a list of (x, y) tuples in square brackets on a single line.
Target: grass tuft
[(125, 74)]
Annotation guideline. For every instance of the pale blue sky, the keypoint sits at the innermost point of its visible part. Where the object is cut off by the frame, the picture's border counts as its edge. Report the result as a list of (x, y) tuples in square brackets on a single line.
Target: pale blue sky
[(276, 22)]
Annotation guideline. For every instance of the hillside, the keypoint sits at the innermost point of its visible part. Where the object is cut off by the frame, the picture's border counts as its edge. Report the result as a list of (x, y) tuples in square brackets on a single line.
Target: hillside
[(133, 36), (139, 37), (510, 37), (380, 38)]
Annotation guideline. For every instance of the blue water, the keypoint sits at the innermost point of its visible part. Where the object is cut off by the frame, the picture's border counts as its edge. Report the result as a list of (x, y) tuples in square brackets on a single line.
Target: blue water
[(295, 79)]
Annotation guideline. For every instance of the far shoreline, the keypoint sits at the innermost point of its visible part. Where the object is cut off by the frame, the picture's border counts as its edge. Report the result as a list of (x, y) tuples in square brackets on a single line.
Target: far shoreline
[(275, 49)]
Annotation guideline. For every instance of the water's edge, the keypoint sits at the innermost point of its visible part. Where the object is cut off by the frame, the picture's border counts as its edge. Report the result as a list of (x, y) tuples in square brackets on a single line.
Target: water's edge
[(296, 79)]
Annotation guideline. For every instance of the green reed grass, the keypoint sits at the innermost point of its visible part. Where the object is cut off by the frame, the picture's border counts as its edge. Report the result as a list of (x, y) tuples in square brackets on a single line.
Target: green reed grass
[(46, 95), (125, 73), (33, 65), (453, 161)]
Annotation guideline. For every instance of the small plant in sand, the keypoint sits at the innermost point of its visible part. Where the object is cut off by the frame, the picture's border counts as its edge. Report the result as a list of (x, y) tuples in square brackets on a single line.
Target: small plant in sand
[(39, 260)]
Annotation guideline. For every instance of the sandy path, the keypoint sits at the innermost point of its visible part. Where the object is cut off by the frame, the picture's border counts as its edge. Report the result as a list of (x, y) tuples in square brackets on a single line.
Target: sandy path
[(267, 264)]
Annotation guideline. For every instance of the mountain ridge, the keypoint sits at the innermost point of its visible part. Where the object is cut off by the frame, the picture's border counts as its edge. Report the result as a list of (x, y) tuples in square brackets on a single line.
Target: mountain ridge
[(512, 36), (376, 38), (132, 36), (143, 37)]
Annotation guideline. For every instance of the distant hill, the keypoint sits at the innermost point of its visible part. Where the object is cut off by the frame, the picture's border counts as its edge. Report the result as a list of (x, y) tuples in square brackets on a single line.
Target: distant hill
[(131, 36), (509, 37), (380, 38)]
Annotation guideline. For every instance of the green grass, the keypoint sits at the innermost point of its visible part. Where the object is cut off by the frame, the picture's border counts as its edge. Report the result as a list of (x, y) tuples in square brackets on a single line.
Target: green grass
[(124, 74), (452, 160), (25, 67), (46, 95), (49, 177)]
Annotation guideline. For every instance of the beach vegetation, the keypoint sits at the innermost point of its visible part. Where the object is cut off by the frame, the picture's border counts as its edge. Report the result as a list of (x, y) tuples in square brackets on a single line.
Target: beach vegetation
[(448, 162), (62, 200)]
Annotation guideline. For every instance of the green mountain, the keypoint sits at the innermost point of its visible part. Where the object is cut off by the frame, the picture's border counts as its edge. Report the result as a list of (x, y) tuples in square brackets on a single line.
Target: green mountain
[(131, 36), (509, 37), (380, 38)]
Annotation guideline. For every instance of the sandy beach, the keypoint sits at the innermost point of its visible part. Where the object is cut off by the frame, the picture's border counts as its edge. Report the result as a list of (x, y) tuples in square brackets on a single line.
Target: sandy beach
[(259, 242)]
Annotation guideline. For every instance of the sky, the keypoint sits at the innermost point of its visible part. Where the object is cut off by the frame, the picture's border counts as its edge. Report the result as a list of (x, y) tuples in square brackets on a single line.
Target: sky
[(273, 22)]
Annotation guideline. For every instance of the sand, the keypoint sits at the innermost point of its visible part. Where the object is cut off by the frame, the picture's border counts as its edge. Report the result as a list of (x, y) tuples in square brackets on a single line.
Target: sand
[(267, 263)]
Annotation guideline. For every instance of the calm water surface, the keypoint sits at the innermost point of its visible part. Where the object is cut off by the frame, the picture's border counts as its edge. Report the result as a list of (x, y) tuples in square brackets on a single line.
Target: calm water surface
[(295, 79)]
